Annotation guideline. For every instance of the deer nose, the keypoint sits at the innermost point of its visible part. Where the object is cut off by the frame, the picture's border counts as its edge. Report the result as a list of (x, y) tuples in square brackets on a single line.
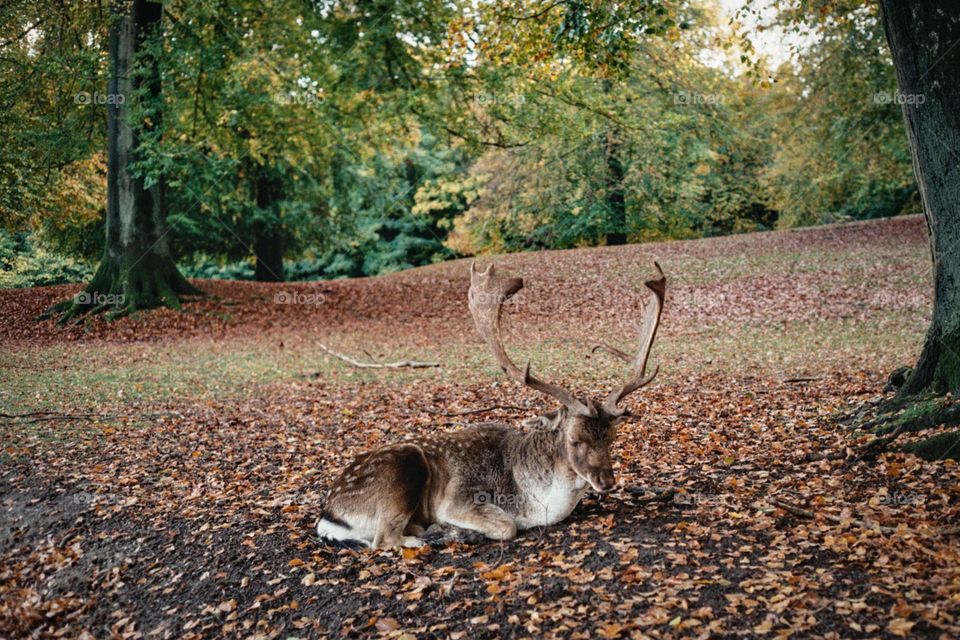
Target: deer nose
[(606, 480)]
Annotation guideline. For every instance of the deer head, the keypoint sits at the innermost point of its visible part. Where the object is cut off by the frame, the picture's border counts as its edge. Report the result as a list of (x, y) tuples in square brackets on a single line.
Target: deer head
[(588, 426)]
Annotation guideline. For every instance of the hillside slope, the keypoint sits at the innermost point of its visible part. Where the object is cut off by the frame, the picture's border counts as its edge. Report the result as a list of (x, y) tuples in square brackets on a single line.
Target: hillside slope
[(860, 270)]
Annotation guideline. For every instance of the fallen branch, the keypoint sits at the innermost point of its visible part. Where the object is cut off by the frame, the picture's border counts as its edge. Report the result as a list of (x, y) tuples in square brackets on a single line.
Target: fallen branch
[(863, 524), (817, 457), (802, 379), (27, 415), (453, 414), (50, 416), (402, 364)]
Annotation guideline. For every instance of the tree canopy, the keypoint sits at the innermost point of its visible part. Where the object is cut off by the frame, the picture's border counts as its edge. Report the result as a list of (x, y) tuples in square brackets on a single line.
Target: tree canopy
[(360, 138)]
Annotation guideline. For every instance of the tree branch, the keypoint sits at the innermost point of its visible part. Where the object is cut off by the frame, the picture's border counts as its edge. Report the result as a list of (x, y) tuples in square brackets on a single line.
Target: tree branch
[(401, 364)]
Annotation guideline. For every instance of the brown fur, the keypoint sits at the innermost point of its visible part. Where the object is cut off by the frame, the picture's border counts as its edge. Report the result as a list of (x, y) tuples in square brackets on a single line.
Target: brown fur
[(479, 478)]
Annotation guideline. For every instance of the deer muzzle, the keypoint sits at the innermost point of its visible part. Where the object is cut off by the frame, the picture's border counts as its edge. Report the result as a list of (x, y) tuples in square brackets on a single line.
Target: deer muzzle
[(605, 481)]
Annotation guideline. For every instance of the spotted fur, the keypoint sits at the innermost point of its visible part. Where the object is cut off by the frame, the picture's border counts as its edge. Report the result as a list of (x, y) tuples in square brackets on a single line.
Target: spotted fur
[(493, 479)]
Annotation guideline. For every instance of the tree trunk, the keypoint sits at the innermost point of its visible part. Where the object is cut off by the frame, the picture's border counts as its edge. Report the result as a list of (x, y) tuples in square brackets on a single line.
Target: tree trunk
[(923, 39), (268, 246), (616, 199), (137, 270), (269, 250)]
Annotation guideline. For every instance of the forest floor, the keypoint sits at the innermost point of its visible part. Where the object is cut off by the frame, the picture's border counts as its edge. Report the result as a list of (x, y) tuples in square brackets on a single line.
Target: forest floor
[(168, 479)]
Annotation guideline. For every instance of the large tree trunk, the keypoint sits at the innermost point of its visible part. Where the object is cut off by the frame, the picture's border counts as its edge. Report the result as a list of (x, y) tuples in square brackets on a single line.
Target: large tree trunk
[(923, 39), (136, 271)]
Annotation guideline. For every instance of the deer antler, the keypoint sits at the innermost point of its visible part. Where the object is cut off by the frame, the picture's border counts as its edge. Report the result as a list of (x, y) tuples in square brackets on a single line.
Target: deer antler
[(648, 331), (488, 291)]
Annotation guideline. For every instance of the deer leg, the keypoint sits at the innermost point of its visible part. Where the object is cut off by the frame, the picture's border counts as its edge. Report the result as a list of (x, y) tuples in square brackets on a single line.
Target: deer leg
[(391, 533), (488, 519), (405, 474)]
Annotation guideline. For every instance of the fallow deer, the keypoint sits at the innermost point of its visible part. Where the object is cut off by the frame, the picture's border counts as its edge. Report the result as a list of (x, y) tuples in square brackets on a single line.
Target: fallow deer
[(491, 479)]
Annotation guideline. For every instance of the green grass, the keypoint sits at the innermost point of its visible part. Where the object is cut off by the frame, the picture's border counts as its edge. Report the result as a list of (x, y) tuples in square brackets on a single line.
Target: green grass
[(70, 376), (66, 377)]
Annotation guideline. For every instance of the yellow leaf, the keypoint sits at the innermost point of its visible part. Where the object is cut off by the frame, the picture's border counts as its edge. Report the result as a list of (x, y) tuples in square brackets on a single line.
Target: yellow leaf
[(900, 627)]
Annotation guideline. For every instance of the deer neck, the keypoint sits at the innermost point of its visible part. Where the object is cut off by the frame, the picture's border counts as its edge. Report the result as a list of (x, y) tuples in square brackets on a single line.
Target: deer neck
[(549, 485), (542, 453)]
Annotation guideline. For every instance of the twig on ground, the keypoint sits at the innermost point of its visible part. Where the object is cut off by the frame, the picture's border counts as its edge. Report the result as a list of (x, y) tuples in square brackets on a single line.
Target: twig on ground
[(401, 364), (802, 379), (616, 353), (656, 495), (452, 414)]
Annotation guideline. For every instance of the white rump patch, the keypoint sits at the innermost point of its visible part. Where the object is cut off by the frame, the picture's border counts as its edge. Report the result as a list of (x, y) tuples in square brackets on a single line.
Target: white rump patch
[(328, 530)]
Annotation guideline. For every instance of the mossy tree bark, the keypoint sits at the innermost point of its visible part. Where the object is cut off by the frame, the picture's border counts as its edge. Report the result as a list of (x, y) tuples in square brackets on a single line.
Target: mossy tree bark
[(137, 270), (923, 38)]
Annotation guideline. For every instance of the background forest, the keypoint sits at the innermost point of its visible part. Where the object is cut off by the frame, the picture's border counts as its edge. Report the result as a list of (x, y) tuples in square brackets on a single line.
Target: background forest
[(354, 139)]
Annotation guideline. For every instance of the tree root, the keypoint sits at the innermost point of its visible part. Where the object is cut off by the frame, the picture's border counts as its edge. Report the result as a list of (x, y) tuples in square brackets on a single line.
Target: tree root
[(116, 291), (867, 450), (922, 416), (810, 515), (939, 447), (924, 413)]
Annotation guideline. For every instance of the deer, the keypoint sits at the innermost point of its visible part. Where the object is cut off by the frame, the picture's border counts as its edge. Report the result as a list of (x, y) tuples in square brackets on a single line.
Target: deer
[(490, 479)]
